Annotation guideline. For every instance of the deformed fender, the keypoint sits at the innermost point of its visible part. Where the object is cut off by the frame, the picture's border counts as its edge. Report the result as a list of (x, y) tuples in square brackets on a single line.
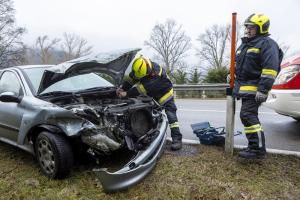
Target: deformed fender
[(136, 169), (51, 116)]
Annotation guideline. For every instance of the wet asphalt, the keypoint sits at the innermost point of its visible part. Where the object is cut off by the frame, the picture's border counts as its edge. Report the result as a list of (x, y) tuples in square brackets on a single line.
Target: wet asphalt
[(281, 132)]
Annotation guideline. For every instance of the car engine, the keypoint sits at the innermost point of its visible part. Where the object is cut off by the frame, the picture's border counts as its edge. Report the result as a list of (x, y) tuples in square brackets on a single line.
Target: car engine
[(117, 123)]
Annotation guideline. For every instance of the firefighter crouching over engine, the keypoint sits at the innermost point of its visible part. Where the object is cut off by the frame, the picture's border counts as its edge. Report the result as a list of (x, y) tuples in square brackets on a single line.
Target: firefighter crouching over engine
[(258, 61), (152, 80)]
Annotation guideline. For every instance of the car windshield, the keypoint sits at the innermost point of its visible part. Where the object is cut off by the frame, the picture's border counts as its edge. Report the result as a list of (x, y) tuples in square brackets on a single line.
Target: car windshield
[(71, 84)]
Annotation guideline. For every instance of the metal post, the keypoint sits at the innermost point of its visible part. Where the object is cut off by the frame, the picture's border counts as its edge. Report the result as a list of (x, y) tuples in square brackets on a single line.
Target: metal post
[(229, 140), (230, 115)]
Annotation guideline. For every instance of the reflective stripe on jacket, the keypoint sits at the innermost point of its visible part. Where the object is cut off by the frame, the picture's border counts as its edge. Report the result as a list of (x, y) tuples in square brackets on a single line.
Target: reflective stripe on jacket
[(257, 65)]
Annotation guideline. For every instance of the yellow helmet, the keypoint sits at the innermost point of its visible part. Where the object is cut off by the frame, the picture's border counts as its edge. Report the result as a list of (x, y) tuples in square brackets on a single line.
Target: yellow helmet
[(260, 20), (141, 67)]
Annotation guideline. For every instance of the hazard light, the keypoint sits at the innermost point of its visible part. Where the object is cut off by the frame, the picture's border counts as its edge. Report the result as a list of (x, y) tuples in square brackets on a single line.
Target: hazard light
[(288, 78)]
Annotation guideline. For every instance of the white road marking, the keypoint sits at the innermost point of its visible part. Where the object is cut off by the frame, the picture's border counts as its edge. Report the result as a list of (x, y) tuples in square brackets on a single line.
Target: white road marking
[(272, 151), (192, 110), (222, 111)]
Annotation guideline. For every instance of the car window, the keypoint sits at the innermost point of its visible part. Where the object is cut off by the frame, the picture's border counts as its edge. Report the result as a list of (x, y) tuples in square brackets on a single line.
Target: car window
[(9, 82), (73, 83), (35, 76), (79, 82)]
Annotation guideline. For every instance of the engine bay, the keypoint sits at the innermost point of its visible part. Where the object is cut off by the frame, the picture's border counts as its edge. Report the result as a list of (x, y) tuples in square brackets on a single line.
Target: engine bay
[(129, 122)]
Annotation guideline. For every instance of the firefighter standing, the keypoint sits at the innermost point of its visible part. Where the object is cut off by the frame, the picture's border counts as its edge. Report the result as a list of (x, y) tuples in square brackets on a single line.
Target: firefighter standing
[(257, 64), (152, 80)]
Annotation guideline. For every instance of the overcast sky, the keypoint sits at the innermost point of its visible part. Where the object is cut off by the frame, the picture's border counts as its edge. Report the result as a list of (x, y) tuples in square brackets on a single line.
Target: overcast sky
[(118, 24)]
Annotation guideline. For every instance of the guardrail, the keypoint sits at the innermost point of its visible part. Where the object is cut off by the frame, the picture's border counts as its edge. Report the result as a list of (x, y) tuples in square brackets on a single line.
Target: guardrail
[(201, 90), (201, 87)]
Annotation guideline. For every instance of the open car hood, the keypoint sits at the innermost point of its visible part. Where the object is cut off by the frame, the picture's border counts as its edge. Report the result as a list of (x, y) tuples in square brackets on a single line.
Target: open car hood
[(112, 63)]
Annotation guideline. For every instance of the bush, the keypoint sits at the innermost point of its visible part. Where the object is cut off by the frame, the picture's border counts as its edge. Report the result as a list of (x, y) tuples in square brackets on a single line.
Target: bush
[(216, 75)]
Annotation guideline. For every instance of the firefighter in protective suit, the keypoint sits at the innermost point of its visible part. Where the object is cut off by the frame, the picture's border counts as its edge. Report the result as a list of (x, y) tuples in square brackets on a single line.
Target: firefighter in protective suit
[(258, 61), (151, 79)]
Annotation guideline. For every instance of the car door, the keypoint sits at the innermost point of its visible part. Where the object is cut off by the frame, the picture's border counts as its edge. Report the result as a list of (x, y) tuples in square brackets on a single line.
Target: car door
[(10, 112)]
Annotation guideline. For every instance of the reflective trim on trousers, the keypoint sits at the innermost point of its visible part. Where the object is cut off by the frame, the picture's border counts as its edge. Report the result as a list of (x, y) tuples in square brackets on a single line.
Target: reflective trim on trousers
[(174, 125), (253, 129)]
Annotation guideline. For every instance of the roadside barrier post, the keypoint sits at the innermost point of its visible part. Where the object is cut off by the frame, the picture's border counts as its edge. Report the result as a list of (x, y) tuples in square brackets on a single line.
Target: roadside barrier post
[(230, 107)]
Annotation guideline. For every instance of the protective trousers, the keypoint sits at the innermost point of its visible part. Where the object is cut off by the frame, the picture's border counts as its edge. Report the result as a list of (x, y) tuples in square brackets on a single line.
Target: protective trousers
[(253, 128), (170, 109)]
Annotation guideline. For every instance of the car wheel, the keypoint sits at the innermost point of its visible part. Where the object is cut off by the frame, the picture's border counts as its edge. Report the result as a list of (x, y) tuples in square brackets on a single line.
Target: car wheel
[(54, 155), (297, 119)]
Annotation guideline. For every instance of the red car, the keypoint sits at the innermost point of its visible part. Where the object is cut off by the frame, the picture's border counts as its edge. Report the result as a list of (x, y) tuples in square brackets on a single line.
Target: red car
[(284, 97)]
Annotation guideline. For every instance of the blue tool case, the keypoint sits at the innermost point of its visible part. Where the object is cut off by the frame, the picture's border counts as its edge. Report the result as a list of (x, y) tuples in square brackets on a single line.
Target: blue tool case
[(209, 135)]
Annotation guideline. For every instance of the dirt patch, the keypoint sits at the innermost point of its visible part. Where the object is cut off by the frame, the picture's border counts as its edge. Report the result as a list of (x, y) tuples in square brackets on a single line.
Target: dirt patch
[(187, 150)]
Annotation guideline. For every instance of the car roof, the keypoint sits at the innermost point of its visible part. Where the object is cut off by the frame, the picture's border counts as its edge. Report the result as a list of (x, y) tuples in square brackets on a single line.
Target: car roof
[(33, 66), (27, 67)]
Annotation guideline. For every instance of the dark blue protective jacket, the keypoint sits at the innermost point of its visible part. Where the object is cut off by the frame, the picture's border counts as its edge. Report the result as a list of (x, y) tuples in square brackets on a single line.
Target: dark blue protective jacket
[(257, 65), (156, 85)]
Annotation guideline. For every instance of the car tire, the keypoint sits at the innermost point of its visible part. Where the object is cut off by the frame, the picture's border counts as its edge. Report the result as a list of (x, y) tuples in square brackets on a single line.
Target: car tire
[(54, 155)]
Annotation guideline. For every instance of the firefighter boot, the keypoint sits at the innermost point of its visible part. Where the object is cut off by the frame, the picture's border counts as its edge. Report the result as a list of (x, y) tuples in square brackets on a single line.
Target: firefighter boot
[(254, 151), (176, 144), (250, 153)]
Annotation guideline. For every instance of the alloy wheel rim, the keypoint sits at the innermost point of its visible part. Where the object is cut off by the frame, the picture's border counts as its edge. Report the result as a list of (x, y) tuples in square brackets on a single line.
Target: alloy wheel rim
[(46, 156)]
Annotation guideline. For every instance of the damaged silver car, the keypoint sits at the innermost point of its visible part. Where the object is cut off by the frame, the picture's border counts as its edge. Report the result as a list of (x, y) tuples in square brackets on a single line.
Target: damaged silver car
[(56, 111)]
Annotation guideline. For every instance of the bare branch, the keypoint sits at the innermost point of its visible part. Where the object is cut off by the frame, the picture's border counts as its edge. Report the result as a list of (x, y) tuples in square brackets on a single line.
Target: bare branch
[(44, 46), (74, 46), (215, 45), (11, 46), (170, 42)]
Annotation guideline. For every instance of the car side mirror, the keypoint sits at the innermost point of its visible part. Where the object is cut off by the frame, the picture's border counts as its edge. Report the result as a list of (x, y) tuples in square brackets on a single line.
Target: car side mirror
[(9, 97)]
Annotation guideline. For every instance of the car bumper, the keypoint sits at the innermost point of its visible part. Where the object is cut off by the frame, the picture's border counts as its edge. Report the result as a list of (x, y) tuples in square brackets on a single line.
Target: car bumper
[(136, 169), (285, 102)]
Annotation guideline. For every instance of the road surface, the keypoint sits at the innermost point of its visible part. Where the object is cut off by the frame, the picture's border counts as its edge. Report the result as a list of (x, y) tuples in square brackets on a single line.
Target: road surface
[(281, 132)]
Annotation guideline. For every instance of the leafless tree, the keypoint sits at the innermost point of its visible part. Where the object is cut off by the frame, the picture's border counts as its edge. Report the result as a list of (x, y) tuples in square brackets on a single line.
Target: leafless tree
[(44, 46), (285, 48), (214, 48), (170, 42), (11, 46), (74, 46), (214, 45)]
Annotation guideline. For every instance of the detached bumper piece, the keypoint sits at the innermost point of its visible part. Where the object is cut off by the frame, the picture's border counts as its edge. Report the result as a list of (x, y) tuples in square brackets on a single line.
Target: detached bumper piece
[(136, 169)]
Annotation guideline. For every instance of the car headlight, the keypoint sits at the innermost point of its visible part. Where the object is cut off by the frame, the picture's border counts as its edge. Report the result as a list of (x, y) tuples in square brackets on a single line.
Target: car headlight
[(286, 74), (288, 78)]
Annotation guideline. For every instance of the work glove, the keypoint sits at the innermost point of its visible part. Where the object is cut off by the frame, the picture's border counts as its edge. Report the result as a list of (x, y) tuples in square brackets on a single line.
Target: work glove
[(260, 97), (121, 93), (118, 91)]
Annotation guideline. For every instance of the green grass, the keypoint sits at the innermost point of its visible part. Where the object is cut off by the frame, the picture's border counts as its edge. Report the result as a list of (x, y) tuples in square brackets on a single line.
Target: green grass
[(196, 172)]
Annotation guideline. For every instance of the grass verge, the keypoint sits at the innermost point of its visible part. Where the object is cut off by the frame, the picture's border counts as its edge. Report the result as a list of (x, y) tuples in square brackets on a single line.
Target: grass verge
[(195, 172)]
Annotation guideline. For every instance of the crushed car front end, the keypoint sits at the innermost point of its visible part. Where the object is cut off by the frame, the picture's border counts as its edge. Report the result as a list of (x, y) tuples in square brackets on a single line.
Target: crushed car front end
[(137, 168), (109, 124)]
